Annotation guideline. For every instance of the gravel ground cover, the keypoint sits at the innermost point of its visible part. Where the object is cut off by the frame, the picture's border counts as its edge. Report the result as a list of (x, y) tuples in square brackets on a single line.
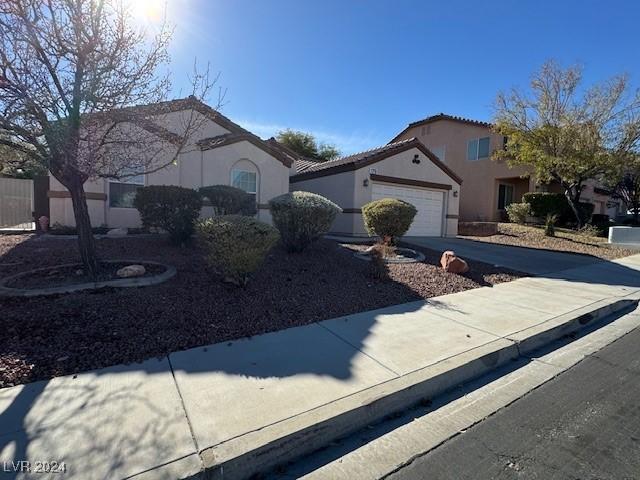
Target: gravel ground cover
[(74, 275), (564, 241), (45, 337)]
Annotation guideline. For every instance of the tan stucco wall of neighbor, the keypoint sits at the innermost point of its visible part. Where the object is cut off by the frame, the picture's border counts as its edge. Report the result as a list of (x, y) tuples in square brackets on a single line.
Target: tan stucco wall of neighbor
[(347, 189), (478, 196), (193, 169)]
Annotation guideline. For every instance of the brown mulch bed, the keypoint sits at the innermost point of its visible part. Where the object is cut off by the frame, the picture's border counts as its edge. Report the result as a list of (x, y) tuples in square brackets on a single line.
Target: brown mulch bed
[(564, 241), (45, 337)]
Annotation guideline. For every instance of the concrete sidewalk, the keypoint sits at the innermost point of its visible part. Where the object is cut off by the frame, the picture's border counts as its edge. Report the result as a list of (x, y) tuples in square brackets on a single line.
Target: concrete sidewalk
[(235, 407)]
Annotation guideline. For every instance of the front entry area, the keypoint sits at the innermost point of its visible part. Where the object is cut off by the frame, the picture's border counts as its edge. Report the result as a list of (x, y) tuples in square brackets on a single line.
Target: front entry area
[(429, 220)]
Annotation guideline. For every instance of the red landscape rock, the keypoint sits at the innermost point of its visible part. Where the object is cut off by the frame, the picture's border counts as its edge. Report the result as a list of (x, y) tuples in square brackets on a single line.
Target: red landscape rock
[(451, 263)]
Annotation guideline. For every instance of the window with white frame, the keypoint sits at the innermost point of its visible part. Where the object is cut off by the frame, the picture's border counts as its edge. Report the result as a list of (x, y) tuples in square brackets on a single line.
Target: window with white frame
[(245, 180), (478, 148), (123, 191)]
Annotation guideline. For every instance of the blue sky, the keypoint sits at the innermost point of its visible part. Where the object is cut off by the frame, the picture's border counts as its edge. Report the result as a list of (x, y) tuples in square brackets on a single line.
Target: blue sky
[(355, 72)]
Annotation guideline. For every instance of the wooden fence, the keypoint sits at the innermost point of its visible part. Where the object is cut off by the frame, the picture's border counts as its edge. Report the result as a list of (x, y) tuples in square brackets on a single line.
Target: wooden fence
[(16, 202)]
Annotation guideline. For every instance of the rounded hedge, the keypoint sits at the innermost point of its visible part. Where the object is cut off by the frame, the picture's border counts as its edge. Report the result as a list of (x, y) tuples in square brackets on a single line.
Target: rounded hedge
[(302, 218), (228, 200), (236, 245), (170, 208), (388, 218), (518, 212)]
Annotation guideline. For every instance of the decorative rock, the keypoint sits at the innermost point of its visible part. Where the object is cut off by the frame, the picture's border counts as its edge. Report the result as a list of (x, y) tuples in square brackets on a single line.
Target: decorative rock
[(131, 271), (117, 232), (451, 263)]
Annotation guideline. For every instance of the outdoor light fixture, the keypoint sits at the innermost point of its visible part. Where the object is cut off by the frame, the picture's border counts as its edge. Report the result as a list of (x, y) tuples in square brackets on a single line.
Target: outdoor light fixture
[(416, 159), (365, 182), (455, 193)]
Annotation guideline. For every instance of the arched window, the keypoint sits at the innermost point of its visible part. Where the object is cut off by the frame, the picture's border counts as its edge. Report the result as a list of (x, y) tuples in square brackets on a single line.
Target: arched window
[(245, 176)]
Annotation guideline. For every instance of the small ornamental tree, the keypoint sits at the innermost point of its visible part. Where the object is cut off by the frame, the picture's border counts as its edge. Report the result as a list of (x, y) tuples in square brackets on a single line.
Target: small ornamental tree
[(170, 208), (568, 133), (389, 218)]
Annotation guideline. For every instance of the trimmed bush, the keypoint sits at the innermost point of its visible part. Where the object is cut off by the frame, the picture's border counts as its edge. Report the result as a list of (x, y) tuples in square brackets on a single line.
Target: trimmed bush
[(589, 231), (228, 200), (236, 245), (518, 212), (586, 211), (602, 223), (170, 208), (388, 218), (302, 218), (547, 203)]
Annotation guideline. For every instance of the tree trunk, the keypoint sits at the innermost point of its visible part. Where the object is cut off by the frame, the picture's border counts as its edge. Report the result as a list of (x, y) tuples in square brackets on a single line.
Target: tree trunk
[(86, 241), (573, 203)]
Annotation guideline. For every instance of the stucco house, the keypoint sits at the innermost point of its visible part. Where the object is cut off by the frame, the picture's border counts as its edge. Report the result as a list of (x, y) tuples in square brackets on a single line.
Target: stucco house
[(406, 170), (466, 146), (219, 152)]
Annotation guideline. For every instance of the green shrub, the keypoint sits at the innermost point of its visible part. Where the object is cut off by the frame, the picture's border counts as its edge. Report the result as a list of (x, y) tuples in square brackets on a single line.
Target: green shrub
[(602, 223), (547, 203), (550, 225), (388, 218), (59, 229), (518, 212), (170, 208), (302, 218), (590, 231), (228, 200), (236, 245), (586, 211)]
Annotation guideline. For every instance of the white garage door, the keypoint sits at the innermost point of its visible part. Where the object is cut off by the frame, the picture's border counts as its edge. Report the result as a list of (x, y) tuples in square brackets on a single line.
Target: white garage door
[(429, 203)]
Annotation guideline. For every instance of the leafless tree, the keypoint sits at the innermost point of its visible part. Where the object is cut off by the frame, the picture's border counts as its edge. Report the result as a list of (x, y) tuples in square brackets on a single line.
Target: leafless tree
[(70, 72)]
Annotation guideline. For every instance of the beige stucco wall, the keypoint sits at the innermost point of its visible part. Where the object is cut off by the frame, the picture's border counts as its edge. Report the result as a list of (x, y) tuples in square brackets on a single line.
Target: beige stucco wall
[(347, 189), (193, 169), (339, 189), (478, 195)]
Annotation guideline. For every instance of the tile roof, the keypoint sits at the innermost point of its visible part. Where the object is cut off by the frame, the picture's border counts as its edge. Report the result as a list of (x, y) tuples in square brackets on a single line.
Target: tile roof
[(307, 170), (442, 116), (139, 113), (390, 148)]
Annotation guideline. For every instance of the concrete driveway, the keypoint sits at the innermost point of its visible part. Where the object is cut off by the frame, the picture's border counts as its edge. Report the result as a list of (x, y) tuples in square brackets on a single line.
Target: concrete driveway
[(528, 260)]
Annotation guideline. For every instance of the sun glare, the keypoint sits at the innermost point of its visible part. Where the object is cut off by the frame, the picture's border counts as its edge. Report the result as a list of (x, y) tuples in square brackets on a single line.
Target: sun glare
[(151, 11)]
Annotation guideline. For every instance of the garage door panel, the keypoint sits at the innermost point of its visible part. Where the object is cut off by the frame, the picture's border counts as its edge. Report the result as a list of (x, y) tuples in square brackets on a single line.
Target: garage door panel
[(429, 203)]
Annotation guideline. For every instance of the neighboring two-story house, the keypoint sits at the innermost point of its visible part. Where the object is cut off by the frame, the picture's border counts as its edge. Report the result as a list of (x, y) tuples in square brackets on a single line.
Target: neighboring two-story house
[(488, 186)]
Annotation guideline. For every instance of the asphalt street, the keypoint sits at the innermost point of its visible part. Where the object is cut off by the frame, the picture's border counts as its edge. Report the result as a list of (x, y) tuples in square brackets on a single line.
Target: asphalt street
[(584, 424)]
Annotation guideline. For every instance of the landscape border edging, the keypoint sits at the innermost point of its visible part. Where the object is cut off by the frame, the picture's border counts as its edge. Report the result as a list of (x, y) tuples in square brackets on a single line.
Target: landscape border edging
[(119, 283)]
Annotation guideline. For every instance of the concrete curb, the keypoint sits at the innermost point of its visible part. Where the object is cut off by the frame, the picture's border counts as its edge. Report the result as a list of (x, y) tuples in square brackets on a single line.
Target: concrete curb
[(120, 283), (276, 444)]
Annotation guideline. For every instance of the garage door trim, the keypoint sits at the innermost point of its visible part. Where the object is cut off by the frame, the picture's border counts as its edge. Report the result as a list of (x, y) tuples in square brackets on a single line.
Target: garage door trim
[(409, 181), (441, 225)]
